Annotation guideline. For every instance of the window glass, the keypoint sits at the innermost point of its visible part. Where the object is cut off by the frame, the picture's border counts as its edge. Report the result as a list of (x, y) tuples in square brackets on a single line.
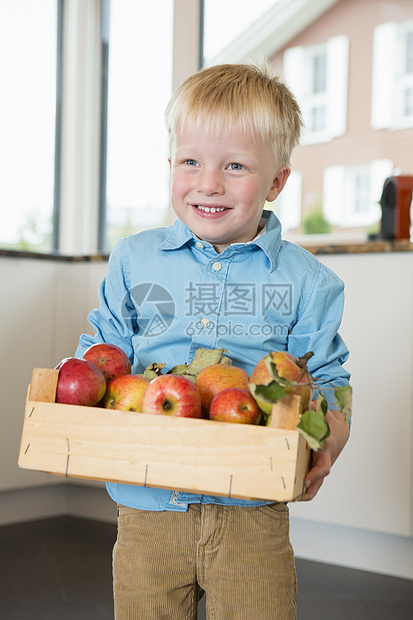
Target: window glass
[(318, 118), (314, 104), (319, 73), (361, 182), (139, 87), (28, 34), (225, 21)]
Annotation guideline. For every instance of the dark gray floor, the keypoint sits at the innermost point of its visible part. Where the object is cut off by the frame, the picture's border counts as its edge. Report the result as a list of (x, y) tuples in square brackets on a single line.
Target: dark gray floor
[(60, 569)]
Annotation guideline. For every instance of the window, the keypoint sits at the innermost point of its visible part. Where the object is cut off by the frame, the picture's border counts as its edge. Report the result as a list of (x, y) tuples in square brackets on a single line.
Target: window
[(351, 195), (406, 73), (317, 90), (392, 86), (318, 77), (28, 42), (361, 191), (139, 87)]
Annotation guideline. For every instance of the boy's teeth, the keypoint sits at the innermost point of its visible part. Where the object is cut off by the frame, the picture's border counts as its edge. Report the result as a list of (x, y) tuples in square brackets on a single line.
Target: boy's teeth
[(210, 209)]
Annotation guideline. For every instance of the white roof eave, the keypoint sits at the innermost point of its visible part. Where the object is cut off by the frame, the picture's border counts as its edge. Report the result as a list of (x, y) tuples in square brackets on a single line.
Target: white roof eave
[(273, 30)]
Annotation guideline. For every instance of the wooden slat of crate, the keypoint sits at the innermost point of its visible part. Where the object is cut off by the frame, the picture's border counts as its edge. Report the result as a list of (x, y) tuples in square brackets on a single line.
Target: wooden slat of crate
[(195, 455)]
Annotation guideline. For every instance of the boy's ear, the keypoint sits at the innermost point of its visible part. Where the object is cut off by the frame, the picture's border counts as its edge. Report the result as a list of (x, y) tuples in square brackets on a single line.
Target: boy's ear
[(278, 183)]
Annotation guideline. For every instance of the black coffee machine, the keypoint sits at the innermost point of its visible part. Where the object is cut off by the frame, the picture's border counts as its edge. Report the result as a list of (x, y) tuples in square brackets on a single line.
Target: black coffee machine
[(396, 204)]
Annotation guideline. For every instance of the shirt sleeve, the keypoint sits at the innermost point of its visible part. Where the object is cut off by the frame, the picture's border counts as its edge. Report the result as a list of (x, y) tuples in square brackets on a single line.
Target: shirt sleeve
[(115, 319), (316, 330)]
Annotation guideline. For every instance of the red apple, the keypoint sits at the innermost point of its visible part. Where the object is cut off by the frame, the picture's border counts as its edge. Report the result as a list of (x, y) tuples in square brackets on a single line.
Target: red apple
[(172, 395), (287, 367), (79, 382), (125, 393), (234, 405), (111, 360), (218, 377)]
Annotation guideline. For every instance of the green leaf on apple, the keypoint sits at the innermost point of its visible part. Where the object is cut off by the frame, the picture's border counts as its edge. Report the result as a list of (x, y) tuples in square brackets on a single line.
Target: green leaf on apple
[(271, 392), (314, 426), (152, 371), (183, 371), (179, 369), (207, 357), (344, 396), (202, 358)]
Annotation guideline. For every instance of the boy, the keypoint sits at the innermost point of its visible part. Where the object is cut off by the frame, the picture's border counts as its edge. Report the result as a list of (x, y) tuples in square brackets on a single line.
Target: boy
[(220, 276)]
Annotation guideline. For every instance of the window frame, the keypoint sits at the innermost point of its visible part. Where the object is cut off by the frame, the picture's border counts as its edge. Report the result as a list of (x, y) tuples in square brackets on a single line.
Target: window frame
[(296, 62), (339, 191), (404, 79), (78, 203), (58, 129), (388, 81), (316, 99)]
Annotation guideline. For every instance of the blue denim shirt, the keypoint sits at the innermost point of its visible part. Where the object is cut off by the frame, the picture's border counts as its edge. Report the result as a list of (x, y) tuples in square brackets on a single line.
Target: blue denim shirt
[(167, 293)]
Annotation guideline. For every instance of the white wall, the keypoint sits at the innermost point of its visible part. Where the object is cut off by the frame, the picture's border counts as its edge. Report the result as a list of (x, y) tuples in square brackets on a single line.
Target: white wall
[(43, 310), (362, 517)]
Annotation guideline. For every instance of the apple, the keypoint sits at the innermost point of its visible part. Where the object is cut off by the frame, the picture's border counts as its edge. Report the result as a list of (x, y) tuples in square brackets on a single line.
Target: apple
[(290, 368), (234, 405), (125, 393), (217, 377), (111, 360), (79, 382), (174, 395)]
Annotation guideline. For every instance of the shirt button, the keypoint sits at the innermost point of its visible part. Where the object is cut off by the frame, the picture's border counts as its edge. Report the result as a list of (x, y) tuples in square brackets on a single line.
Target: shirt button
[(205, 322), (216, 266), (199, 245)]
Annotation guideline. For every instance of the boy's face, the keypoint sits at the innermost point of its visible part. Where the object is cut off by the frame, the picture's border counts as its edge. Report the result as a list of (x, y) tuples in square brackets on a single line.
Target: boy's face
[(220, 184)]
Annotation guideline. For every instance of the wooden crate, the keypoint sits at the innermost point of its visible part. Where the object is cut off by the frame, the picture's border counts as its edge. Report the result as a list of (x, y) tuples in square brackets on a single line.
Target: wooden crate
[(233, 460)]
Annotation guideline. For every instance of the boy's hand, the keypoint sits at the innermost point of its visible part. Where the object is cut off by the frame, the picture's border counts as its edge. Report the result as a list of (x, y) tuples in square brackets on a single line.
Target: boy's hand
[(323, 460)]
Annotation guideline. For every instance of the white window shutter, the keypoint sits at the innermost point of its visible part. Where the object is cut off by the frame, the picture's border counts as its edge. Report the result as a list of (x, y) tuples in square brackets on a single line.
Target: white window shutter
[(290, 202), (293, 70), (379, 171), (334, 193), (337, 79), (384, 76)]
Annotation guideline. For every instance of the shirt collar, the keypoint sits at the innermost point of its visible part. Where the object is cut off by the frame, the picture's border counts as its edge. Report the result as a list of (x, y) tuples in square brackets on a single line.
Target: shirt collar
[(178, 235), (268, 239)]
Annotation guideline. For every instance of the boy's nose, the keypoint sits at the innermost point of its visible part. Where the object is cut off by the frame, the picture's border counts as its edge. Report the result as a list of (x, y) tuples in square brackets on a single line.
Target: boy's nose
[(210, 183)]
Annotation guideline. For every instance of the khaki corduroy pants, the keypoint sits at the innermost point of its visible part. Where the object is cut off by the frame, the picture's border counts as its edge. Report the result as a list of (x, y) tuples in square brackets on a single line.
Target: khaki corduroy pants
[(240, 556)]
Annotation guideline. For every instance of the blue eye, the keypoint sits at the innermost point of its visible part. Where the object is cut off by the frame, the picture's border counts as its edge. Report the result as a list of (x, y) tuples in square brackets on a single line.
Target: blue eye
[(236, 166), (190, 162)]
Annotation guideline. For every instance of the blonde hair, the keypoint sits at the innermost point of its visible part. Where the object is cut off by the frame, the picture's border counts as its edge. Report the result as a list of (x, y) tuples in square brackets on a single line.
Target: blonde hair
[(242, 97)]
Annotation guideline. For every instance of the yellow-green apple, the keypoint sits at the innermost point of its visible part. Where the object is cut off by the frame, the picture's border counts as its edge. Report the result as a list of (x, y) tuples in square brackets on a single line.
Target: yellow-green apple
[(79, 382), (290, 368), (234, 405), (174, 395), (217, 377), (111, 360), (125, 393)]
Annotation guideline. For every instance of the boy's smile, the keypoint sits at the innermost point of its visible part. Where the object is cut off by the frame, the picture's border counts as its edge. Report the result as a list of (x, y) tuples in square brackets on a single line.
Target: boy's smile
[(220, 184)]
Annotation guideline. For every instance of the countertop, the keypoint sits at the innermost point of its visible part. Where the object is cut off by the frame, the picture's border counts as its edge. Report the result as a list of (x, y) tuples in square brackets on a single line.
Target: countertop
[(364, 247)]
